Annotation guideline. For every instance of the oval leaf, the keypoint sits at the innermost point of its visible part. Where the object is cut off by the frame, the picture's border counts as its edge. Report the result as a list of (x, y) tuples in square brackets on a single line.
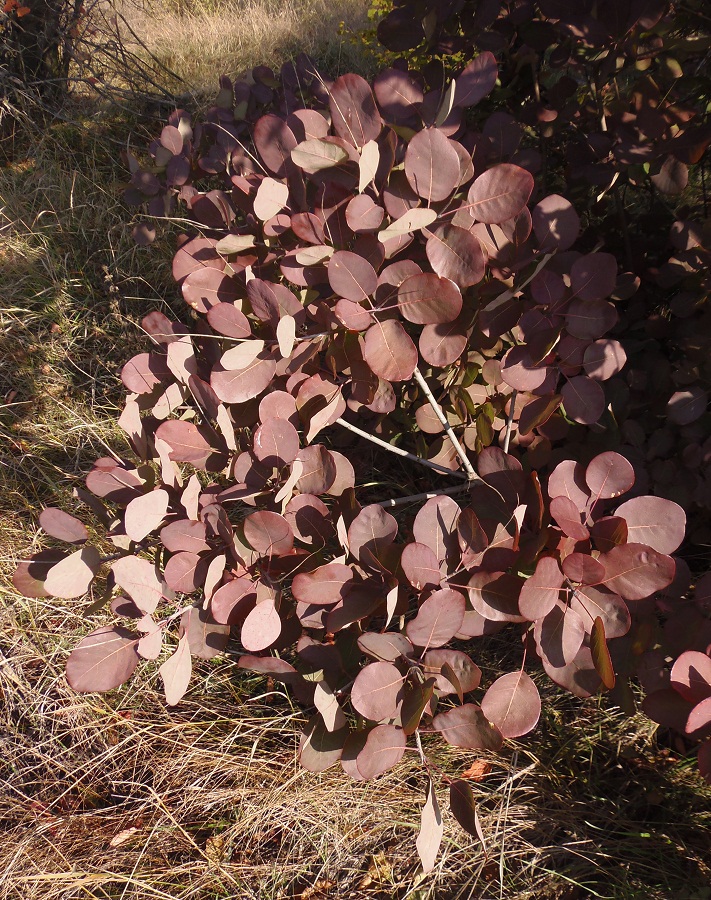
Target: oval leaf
[(500, 193), (467, 726), (513, 704), (59, 524), (71, 577), (103, 659)]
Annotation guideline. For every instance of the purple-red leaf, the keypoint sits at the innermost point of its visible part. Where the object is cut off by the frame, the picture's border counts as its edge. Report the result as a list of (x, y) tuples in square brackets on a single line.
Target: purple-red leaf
[(59, 524), (583, 399), (268, 533), (319, 470), (274, 141), (699, 717), (71, 576), (351, 276), (691, 676), (441, 345), (29, 576), (583, 568), (495, 595), (597, 602), (500, 193), (568, 480), (555, 223), (145, 514), (373, 530), (323, 586), (184, 535), (540, 592), (559, 635), (593, 277), (376, 691), (320, 748), (384, 748), (477, 80), (685, 407), (240, 385), (438, 619), (432, 165), (385, 647), (636, 571), (654, 521), (262, 627), (176, 672), (389, 351), (232, 603), (139, 579), (427, 299), (276, 442), (185, 572), (144, 372), (603, 359), (420, 565), (513, 704), (601, 654), (431, 830), (435, 526), (355, 116), (466, 726), (103, 659), (187, 443), (467, 673), (456, 254), (461, 803), (609, 475)]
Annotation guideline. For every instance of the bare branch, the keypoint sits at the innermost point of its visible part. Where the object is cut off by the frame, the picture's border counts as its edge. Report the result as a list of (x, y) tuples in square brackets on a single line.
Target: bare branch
[(509, 420), (461, 452), (398, 451), (428, 495)]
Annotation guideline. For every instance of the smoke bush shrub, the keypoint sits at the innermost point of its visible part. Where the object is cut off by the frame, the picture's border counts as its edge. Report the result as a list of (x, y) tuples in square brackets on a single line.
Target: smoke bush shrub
[(403, 261)]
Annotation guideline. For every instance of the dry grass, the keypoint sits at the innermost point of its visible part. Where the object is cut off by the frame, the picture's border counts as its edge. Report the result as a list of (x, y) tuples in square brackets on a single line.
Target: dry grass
[(118, 797), (202, 39)]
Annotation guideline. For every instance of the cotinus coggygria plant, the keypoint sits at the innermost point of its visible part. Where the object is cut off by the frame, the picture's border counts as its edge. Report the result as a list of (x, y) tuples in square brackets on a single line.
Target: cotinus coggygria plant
[(375, 260)]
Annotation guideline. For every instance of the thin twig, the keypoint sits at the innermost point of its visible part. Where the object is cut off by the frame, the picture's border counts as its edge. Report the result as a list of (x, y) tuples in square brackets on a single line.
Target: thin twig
[(418, 741), (398, 451), (428, 495), (615, 187), (461, 452), (509, 420), (517, 288)]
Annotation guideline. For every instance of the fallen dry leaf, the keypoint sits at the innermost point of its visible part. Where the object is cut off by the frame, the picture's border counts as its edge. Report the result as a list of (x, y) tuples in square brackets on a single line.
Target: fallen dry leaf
[(320, 889), (122, 837), (477, 771)]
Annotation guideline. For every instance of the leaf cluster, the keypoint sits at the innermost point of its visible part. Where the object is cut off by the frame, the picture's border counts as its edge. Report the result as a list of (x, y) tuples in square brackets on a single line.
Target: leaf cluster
[(395, 259)]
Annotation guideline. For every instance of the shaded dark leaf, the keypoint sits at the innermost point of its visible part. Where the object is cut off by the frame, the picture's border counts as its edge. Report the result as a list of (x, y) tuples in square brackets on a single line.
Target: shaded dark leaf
[(467, 726), (353, 110)]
